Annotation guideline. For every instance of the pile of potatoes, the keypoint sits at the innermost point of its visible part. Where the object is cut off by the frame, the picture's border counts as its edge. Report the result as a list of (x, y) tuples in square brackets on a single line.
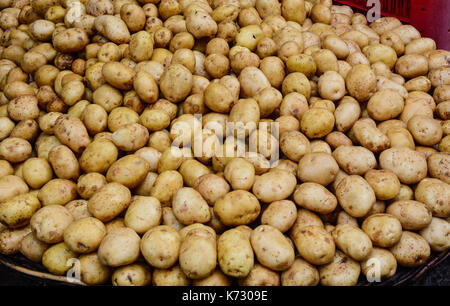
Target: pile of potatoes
[(98, 111)]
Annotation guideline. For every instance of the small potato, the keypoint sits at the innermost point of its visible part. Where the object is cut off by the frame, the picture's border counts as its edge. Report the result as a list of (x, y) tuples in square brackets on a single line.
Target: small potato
[(413, 215), (252, 81), (354, 159), (98, 156), (318, 168), (15, 150), (57, 259), (435, 194), (70, 40), (50, 222), (426, 131), (260, 276), (237, 207), (130, 137), (23, 107), (119, 247), (342, 271), (57, 192), (64, 162), (317, 122), (170, 277), (438, 163), (361, 82), (369, 136), (437, 234), (296, 82), (189, 207), (109, 201), (143, 214), (132, 275), (315, 244), (315, 197), (198, 253), (380, 264), (301, 273), (235, 253), (160, 246), (129, 171), (118, 75), (280, 214), (240, 174), (17, 211), (385, 105), (146, 87), (176, 83), (211, 187), (107, 97), (78, 209), (92, 271), (32, 248), (294, 145), (352, 241), (409, 166), (84, 235), (420, 83), (36, 172), (274, 185), (411, 251), (354, 189), (10, 240), (331, 86), (166, 185), (72, 132), (384, 183), (411, 66), (113, 28)]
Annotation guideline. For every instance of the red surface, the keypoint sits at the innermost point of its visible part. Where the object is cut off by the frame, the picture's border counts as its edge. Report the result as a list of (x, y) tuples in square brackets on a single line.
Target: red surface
[(430, 17)]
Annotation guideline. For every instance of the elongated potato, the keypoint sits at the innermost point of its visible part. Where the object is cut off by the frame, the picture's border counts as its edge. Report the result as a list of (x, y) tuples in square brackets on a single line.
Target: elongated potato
[(315, 244), (160, 246), (352, 241), (235, 253)]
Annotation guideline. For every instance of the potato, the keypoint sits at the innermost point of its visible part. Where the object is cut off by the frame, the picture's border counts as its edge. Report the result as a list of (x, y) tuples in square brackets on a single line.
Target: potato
[(315, 197), (314, 244), (70, 40), (235, 253), (318, 168), (166, 185), (252, 81), (346, 114), (294, 145), (301, 273), (211, 187), (129, 171), (119, 247), (412, 65), (78, 209), (57, 192), (385, 105), (361, 82), (352, 241), (240, 174), (176, 83), (317, 122), (341, 271), (189, 207), (57, 259), (280, 183), (50, 222), (237, 207), (280, 215), (412, 250), (260, 276), (435, 194), (71, 132), (426, 131), (384, 183), (11, 186), (409, 166), (15, 149), (436, 234), (109, 201), (113, 28), (84, 235), (146, 87), (354, 189), (10, 239), (23, 107), (331, 86), (64, 162), (132, 275), (118, 75), (170, 277), (160, 246), (354, 159), (271, 248), (32, 248), (413, 215), (92, 271), (217, 278), (17, 211), (194, 263), (437, 164), (98, 156)]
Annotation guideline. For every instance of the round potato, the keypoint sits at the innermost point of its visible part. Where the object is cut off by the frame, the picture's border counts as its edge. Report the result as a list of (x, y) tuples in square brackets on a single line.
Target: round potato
[(160, 246), (341, 271), (436, 234), (109, 201), (352, 241), (237, 207), (380, 264), (280, 214), (315, 244), (412, 250), (50, 222), (274, 185), (119, 247)]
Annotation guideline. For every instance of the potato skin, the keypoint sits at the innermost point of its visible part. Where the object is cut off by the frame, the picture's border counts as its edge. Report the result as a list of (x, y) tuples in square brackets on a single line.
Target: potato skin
[(383, 229), (412, 250), (314, 244), (57, 258), (354, 159), (98, 156), (237, 207), (109, 201), (435, 194), (354, 189), (318, 168), (119, 247), (384, 183), (84, 235), (342, 271), (413, 215), (17, 211), (436, 234), (315, 197), (189, 206), (301, 273), (260, 276), (72, 132), (352, 241), (160, 246), (11, 186), (280, 183), (271, 247), (129, 171), (235, 253), (409, 166), (280, 214)]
